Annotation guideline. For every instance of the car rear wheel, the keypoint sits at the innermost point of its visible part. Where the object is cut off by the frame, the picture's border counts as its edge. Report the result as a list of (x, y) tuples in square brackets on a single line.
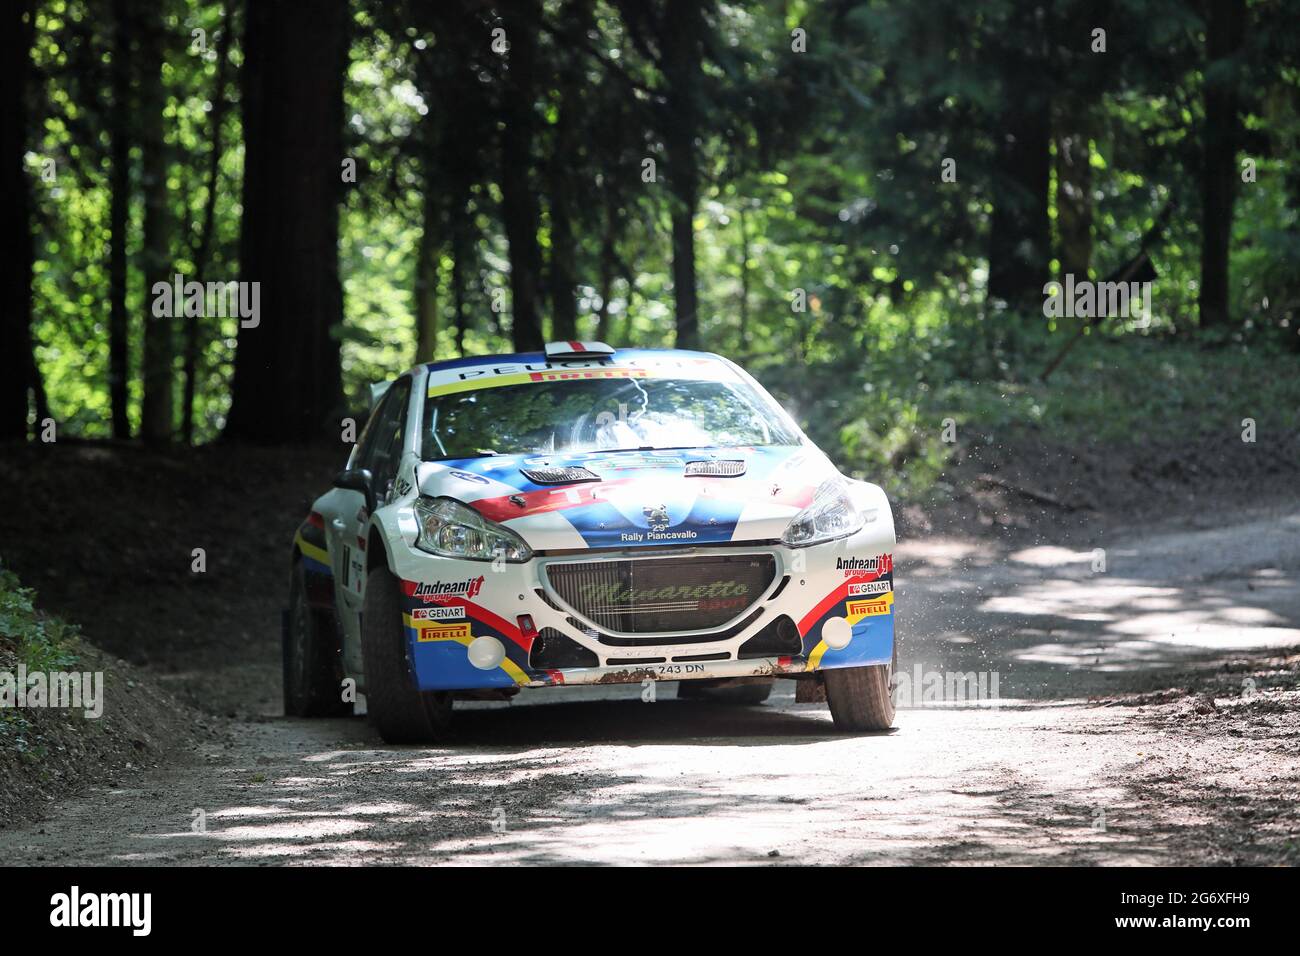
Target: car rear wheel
[(400, 711), (744, 691), (313, 675), (861, 698)]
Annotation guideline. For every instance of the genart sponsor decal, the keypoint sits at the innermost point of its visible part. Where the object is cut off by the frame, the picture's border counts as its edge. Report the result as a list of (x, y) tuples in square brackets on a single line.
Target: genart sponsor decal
[(863, 588), (443, 613)]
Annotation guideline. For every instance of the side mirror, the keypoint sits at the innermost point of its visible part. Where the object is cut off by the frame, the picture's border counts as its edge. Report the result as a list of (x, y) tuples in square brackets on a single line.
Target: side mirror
[(358, 479)]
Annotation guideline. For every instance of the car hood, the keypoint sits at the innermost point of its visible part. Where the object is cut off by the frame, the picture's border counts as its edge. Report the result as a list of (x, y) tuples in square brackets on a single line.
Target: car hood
[(637, 499)]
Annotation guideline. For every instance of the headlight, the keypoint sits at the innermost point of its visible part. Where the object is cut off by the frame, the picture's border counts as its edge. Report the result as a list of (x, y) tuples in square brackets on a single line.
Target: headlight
[(831, 515), (453, 530)]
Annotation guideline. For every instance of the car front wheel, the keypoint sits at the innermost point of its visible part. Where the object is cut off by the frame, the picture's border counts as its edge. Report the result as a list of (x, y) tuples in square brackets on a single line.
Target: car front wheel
[(861, 698), (401, 712)]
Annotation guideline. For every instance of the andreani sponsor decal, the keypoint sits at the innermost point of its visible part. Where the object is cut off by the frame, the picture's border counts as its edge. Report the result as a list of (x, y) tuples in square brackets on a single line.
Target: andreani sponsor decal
[(430, 591), (852, 567)]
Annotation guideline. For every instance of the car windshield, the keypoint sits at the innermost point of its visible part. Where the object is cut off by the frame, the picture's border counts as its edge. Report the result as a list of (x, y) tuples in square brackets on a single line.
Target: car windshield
[(576, 416)]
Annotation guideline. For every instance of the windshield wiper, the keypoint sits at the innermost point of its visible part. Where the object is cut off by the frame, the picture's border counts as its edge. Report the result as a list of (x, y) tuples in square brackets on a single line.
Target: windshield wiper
[(611, 451), (478, 453)]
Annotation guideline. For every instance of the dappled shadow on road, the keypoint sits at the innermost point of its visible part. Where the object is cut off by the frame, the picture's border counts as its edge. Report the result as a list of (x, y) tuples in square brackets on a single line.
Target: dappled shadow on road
[(680, 723), (666, 798), (517, 783), (594, 782), (520, 802), (1153, 818), (616, 781), (1059, 623)]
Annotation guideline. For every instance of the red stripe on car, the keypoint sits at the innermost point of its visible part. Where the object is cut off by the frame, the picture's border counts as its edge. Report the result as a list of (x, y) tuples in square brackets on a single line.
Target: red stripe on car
[(841, 593), (503, 508)]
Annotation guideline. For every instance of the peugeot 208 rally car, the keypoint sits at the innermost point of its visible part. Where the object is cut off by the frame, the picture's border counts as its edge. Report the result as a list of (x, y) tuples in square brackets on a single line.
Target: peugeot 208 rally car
[(587, 515)]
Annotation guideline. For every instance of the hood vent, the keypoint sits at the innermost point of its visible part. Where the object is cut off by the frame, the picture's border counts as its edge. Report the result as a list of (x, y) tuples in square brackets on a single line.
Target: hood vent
[(560, 475), (715, 469)]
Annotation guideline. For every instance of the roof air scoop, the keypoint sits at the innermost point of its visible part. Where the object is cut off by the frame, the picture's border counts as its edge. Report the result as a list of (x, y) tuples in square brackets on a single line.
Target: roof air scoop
[(713, 468), (558, 475), (579, 350)]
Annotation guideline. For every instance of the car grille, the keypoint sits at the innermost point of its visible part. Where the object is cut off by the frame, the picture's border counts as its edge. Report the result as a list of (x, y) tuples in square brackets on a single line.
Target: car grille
[(663, 595)]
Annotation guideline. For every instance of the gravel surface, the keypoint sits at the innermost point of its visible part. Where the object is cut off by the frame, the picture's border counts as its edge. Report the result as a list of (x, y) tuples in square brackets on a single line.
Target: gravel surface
[(1147, 713)]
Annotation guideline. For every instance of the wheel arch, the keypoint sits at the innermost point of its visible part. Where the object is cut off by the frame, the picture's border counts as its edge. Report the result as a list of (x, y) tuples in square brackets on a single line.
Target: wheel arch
[(376, 550), (310, 551)]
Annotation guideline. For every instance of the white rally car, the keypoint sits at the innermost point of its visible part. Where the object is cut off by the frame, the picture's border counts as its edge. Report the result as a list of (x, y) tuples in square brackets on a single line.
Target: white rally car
[(587, 515)]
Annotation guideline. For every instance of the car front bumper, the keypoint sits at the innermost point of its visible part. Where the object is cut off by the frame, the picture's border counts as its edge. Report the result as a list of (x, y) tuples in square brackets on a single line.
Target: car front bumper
[(475, 625)]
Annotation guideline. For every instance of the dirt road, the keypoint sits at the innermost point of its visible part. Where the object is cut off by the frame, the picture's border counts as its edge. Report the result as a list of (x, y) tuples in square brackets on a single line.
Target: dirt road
[(1146, 713)]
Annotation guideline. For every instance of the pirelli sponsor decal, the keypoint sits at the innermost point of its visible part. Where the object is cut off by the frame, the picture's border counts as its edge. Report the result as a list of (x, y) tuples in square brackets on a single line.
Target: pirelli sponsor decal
[(447, 381), (867, 608), (529, 378), (873, 607), (444, 632), (578, 374)]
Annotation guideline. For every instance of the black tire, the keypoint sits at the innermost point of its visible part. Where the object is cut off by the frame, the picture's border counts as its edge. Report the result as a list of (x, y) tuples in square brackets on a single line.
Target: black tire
[(401, 713), (861, 698), (747, 693), (313, 666)]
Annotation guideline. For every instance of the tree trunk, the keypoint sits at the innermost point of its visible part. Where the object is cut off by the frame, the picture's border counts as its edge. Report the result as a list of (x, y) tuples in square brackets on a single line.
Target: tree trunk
[(119, 322), (608, 262), (459, 262), (563, 276), (156, 255), (463, 253), (1224, 29), (564, 307), (203, 252), (1074, 190), (1020, 233), (428, 259), (519, 209), (17, 363), (682, 56), (287, 374), (744, 279)]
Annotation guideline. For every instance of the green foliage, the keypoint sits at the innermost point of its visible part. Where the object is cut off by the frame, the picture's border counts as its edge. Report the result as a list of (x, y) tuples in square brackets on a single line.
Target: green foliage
[(820, 177), (1117, 389), (41, 642), (882, 418)]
